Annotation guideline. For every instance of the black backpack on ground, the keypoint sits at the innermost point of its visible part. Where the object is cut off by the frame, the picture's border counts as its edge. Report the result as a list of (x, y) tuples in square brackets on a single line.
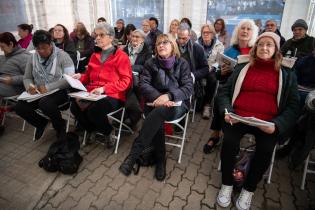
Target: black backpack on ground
[(145, 159), (63, 156)]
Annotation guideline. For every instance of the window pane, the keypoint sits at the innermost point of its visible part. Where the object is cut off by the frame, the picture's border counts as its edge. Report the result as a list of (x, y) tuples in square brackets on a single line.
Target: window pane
[(134, 11), (232, 11)]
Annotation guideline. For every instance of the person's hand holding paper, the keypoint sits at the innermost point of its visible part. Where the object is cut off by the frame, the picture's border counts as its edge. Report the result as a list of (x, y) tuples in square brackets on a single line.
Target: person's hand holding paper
[(225, 69)]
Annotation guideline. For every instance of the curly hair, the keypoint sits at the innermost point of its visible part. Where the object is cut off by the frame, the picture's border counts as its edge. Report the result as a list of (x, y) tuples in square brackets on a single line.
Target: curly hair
[(234, 38)]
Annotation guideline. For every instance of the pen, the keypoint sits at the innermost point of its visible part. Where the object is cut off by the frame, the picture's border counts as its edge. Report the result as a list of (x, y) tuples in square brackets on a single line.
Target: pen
[(226, 112), (37, 91)]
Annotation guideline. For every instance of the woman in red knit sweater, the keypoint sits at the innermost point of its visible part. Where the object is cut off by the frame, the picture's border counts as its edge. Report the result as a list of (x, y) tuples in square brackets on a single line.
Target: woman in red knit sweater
[(109, 73), (264, 89)]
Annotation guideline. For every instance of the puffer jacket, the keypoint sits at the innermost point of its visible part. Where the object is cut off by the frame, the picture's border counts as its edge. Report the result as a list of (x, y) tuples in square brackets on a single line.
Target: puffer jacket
[(156, 81), (114, 74)]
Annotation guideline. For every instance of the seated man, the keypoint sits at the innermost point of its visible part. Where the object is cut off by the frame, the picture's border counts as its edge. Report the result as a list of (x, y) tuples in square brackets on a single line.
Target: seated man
[(300, 44), (193, 53)]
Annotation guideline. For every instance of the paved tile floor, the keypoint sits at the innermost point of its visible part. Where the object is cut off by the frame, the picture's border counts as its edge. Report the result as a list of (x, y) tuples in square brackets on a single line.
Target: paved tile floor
[(191, 185)]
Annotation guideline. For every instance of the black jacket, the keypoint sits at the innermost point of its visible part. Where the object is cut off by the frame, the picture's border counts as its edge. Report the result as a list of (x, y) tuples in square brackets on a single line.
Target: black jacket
[(302, 47), (198, 62), (289, 99), (156, 81), (69, 48), (89, 44), (198, 65)]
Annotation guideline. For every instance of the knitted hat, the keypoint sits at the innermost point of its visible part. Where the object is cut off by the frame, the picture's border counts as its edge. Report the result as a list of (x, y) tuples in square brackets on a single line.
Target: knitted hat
[(140, 32), (272, 35), (299, 23)]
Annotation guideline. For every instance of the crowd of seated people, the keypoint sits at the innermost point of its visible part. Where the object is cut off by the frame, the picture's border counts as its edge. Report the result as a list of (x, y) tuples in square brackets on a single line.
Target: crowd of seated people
[(147, 71)]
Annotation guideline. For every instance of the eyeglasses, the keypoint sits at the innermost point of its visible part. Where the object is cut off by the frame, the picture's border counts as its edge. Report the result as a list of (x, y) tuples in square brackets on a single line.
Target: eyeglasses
[(136, 37), (102, 35), (270, 25), (165, 42), (183, 38), (268, 45), (207, 32)]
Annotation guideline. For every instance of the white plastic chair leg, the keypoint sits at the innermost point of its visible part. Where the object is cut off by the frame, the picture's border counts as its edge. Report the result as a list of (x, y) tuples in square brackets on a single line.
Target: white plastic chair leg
[(304, 172), (271, 164), (183, 139), (119, 131)]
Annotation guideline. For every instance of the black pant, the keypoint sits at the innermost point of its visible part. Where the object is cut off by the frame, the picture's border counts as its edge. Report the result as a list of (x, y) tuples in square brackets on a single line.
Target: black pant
[(49, 106), (133, 109), (94, 118), (152, 131), (217, 118), (265, 144), (210, 88)]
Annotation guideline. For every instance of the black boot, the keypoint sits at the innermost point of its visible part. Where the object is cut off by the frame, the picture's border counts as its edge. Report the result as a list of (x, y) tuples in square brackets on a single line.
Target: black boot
[(127, 166), (160, 170)]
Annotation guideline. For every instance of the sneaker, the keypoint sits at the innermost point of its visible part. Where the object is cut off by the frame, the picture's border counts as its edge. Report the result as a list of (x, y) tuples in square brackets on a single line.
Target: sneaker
[(244, 200), (206, 112), (110, 140), (224, 196)]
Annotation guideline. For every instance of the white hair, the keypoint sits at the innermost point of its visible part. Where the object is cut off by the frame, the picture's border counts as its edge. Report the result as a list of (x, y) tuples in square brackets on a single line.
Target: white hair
[(234, 38)]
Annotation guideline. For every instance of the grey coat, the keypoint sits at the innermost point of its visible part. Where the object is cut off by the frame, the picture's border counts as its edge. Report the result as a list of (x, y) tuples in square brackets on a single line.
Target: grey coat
[(64, 64), (13, 65)]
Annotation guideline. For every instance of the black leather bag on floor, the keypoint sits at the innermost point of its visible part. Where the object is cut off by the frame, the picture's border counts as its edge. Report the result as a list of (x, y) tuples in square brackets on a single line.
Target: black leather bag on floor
[(63, 156), (145, 159)]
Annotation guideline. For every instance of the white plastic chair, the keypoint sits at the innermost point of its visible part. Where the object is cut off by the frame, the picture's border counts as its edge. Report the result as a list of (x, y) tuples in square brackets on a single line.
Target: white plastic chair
[(122, 127), (182, 137), (307, 170)]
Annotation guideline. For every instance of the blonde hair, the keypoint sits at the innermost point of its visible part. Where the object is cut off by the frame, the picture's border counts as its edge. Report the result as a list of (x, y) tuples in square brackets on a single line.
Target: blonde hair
[(234, 38), (209, 26), (174, 20), (277, 56), (172, 41)]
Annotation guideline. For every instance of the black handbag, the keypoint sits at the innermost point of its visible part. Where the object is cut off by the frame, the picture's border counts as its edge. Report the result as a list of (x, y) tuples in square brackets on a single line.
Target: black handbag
[(145, 159), (63, 156)]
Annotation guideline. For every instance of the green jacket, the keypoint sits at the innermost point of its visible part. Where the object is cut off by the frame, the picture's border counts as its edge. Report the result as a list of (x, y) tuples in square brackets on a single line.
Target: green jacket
[(288, 98)]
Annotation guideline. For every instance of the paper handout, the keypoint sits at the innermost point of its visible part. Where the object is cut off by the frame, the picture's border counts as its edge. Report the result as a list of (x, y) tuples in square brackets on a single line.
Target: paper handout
[(253, 121), (75, 83), (25, 96), (177, 103), (86, 96), (224, 59)]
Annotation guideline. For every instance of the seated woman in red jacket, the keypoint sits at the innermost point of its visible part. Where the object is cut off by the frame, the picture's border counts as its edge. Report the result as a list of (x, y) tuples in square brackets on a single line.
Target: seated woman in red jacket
[(266, 90), (109, 73)]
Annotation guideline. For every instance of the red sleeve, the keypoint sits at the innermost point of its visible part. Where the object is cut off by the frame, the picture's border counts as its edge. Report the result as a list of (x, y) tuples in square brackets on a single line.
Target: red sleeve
[(124, 71)]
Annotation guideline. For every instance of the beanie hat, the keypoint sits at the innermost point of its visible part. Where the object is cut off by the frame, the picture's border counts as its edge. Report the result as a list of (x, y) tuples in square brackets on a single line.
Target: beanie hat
[(140, 32), (299, 23), (274, 36)]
